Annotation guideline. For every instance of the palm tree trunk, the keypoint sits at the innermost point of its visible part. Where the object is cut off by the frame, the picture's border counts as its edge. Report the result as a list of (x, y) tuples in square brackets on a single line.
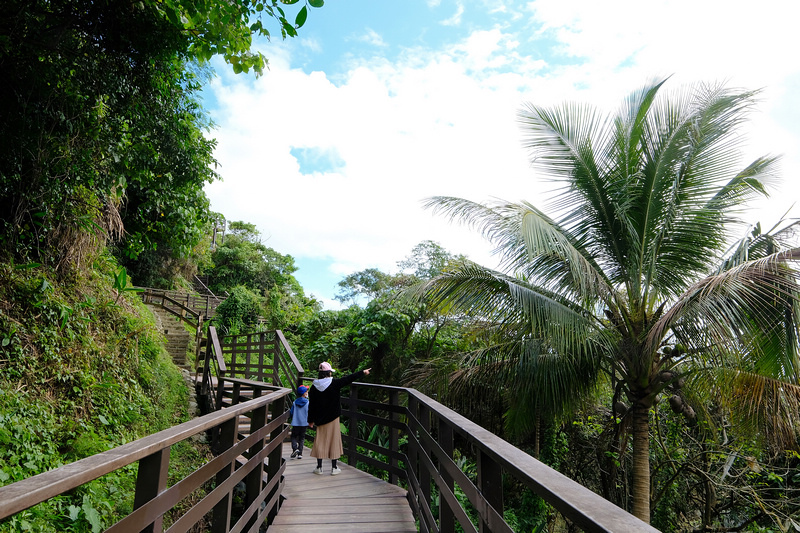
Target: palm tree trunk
[(641, 461)]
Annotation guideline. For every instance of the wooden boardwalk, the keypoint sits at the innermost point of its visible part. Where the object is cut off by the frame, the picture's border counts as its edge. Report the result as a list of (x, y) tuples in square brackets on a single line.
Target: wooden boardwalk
[(352, 502)]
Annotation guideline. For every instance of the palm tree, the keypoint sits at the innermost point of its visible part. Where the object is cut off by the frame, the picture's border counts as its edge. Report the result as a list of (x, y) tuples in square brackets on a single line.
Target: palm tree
[(632, 278)]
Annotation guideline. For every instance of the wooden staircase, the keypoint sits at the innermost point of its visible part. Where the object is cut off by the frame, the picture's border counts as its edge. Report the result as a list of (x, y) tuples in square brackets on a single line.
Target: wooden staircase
[(178, 339)]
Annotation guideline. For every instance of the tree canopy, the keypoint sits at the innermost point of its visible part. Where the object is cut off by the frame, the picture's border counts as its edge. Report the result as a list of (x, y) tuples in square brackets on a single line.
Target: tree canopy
[(100, 127)]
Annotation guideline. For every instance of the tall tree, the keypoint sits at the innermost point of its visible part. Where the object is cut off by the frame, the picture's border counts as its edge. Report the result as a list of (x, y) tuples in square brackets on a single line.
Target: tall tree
[(100, 122), (244, 261), (629, 275)]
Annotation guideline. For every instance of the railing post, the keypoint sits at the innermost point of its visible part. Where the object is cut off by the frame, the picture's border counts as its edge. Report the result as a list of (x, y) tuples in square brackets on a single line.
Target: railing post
[(236, 394), (446, 516), (490, 484), (276, 409), (424, 473), (352, 434), (198, 342), (253, 480), (276, 361), (221, 513), (206, 380), (413, 449), (150, 482), (394, 437)]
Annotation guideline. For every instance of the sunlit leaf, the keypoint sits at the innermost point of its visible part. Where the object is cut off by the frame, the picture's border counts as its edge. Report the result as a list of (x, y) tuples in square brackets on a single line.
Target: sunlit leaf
[(302, 15)]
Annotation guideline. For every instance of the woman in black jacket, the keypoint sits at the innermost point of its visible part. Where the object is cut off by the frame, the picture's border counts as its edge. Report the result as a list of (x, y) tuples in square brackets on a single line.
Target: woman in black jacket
[(324, 409)]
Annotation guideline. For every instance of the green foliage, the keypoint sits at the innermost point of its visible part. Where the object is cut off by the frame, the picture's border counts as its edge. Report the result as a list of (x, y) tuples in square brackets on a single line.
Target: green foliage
[(83, 370), (390, 332), (99, 107), (239, 313), (629, 267), (101, 125), (371, 283), (429, 259), (242, 260), (228, 29)]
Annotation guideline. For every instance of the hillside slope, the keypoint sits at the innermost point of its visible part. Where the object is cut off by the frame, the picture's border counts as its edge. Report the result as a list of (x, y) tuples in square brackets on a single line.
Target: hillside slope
[(83, 368)]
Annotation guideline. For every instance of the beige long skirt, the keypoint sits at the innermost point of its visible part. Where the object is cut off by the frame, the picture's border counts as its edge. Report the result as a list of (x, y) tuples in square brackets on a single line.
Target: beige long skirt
[(328, 441)]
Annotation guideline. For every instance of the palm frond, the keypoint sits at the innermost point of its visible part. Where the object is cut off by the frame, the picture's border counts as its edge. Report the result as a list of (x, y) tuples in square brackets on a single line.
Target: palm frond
[(497, 298), (757, 245), (757, 404), (687, 192), (749, 308), (532, 245), (524, 374), (568, 146)]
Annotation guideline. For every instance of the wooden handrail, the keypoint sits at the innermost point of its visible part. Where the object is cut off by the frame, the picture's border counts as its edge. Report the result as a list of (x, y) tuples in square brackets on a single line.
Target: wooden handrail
[(214, 367), (217, 349), (433, 432), (203, 305), (152, 453), (297, 369), (289, 351), (246, 354)]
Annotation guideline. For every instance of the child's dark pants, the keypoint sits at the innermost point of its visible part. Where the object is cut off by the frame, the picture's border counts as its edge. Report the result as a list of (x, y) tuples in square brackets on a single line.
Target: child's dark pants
[(298, 438)]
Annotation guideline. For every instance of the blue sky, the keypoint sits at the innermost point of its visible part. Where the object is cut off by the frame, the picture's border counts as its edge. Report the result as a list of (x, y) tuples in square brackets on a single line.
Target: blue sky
[(379, 104)]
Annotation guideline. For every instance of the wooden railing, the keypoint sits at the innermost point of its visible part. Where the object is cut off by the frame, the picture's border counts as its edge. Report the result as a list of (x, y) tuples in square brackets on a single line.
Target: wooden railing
[(182, 304), (181, 307), (254, 460), (425, 465), (210, 368), (201, 287), (261, 357)]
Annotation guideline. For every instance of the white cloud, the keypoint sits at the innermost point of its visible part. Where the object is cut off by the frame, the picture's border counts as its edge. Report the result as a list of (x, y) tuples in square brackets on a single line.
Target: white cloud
[(455, 19), (443, 122), (313, 45), (404, 133), (617, 45), (372, 38)]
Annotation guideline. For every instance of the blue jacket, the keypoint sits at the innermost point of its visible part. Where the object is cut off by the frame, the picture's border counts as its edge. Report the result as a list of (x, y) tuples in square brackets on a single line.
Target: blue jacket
[(299, 412)]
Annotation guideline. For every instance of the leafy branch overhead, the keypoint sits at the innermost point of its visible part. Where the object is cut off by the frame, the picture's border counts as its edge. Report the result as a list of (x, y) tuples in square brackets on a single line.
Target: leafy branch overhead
[(228, 28), (102, 137)]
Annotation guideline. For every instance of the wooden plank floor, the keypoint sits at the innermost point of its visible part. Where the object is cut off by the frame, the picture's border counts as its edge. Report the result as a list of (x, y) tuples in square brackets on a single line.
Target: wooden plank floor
[(353, 501)]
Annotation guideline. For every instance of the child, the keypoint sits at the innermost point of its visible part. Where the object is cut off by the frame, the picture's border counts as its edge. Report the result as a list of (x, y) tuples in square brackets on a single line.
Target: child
[(299, 414)]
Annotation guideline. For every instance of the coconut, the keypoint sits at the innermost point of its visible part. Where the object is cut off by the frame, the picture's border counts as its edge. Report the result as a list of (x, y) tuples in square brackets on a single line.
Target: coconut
[(676, 404)]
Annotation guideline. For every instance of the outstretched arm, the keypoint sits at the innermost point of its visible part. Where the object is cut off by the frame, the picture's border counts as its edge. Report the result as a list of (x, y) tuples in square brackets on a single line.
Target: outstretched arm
[(347, 380)]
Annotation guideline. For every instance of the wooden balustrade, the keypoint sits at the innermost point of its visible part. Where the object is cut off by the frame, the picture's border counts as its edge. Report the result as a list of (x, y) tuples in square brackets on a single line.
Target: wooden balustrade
[(210, 368), (254, 460), (426, 466), (251, 375), (262, 356), (182, 303)]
